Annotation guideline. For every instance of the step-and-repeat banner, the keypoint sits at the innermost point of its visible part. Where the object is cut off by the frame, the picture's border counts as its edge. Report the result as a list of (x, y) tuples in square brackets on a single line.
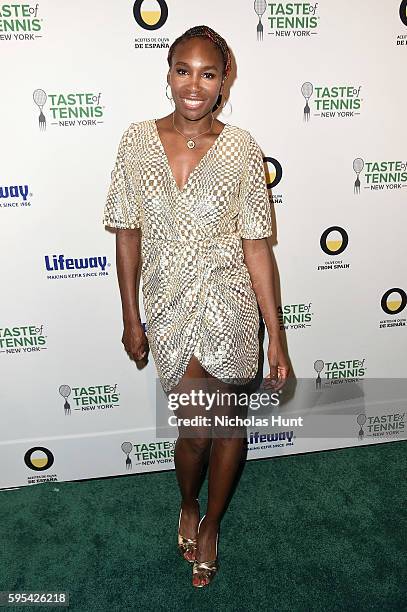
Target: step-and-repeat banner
[(321, 87)]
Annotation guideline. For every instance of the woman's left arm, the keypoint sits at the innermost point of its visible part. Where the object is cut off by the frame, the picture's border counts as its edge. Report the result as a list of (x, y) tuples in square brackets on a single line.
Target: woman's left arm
[(259, 262)]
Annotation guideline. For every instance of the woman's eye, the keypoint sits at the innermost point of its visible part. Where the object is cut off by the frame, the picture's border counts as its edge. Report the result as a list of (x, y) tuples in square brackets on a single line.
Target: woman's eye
[(207, 75)]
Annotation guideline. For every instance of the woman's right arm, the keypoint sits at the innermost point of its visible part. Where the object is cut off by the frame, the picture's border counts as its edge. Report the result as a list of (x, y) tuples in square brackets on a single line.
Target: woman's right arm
[(128, 258)]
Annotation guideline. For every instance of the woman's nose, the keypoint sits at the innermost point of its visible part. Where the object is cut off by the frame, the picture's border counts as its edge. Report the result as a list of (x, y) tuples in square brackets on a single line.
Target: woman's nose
[(194, 84)]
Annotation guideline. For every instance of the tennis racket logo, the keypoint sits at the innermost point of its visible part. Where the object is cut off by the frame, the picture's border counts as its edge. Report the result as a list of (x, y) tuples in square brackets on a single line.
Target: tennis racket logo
[(127, 447), (40, 99), (260, 8), (358, 164), (361, 420), (318, 367), (65, 391), (307, 89)]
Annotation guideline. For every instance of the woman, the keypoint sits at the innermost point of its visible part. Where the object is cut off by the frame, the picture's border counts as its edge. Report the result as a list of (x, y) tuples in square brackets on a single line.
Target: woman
[(189, 201)]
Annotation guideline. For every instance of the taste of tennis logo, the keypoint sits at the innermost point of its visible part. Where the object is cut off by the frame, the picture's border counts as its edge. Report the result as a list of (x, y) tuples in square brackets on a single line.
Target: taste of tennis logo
[(393, 303), (334, 241), (15, 196), (151, 15), (331, 102), (286, 19), (89, 399), (148, 453), (20, 21), (273, 173), (339, 372), (380, 426), (295, 316), (68, 109), (379, 175), (22, 339)]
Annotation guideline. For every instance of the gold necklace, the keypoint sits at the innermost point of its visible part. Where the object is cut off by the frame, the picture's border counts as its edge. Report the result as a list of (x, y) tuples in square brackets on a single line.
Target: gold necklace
[(190, 141)]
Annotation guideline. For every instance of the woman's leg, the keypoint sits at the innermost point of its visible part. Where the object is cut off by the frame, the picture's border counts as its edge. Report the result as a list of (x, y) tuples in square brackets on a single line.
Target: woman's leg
[(191, 449), (225, 459)]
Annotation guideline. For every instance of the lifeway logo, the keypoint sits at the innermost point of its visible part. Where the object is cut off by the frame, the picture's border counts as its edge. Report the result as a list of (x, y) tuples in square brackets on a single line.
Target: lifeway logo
[(60, 267), (20, 21), (262, 441), (15, 196)]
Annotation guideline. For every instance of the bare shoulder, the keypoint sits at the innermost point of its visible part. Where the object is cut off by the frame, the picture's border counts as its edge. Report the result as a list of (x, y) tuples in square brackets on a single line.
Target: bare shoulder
[(218, 126), (164, 124)]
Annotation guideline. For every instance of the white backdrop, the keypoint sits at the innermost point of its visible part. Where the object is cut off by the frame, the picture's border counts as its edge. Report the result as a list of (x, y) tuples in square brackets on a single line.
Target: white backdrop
[(75, 75)]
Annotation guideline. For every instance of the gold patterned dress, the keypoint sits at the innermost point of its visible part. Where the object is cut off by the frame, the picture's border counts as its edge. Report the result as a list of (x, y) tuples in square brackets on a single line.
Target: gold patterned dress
[(197, 292)]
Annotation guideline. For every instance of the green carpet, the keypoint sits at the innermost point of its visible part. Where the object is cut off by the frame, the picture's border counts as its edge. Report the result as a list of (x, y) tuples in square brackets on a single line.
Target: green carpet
[(314, 532)]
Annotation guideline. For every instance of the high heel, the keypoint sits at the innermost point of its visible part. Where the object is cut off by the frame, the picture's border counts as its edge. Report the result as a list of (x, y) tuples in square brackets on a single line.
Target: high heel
[(186, 546), (205, 569)]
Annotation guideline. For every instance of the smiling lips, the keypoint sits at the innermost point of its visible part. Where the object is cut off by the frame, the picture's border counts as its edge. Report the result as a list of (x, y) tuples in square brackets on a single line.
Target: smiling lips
[(192, 103)]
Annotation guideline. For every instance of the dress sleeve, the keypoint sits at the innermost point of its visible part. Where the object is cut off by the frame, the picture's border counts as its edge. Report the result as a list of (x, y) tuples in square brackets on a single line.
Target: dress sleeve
[(254, 219), (123, 203)]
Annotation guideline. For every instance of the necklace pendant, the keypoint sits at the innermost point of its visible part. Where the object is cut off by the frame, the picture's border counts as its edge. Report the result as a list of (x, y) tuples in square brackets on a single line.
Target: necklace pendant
[(190, 144)]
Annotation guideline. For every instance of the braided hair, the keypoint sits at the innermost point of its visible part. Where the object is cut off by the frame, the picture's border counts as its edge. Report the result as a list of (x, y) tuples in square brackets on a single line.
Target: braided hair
[(205, 32)]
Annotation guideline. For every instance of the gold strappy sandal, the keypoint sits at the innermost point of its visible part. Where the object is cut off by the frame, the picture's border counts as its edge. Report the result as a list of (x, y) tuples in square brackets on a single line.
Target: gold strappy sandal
[(186, 546), (205, 570)]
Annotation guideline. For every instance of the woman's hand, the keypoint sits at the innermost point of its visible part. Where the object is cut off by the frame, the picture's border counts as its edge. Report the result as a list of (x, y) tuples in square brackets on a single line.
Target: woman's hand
[(279, 367), (135, 341)]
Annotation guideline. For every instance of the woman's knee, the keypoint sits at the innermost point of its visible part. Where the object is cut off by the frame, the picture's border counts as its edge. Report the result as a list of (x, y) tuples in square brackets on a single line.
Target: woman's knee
[(197, 444), (227, 438)]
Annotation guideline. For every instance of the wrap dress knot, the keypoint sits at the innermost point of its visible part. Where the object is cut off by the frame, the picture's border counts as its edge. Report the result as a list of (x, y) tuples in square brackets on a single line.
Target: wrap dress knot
[(197, 293)]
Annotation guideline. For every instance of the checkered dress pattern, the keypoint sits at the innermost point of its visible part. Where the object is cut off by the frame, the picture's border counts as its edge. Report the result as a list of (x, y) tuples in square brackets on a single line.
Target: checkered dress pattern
[(197, 292)]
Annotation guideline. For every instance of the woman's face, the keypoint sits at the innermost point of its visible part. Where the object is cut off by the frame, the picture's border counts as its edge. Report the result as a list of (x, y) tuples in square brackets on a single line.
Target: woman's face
[(195, 77)]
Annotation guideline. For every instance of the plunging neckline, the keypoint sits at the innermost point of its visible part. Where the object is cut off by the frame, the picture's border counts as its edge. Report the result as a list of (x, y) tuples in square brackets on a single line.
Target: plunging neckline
[(195, 169)]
